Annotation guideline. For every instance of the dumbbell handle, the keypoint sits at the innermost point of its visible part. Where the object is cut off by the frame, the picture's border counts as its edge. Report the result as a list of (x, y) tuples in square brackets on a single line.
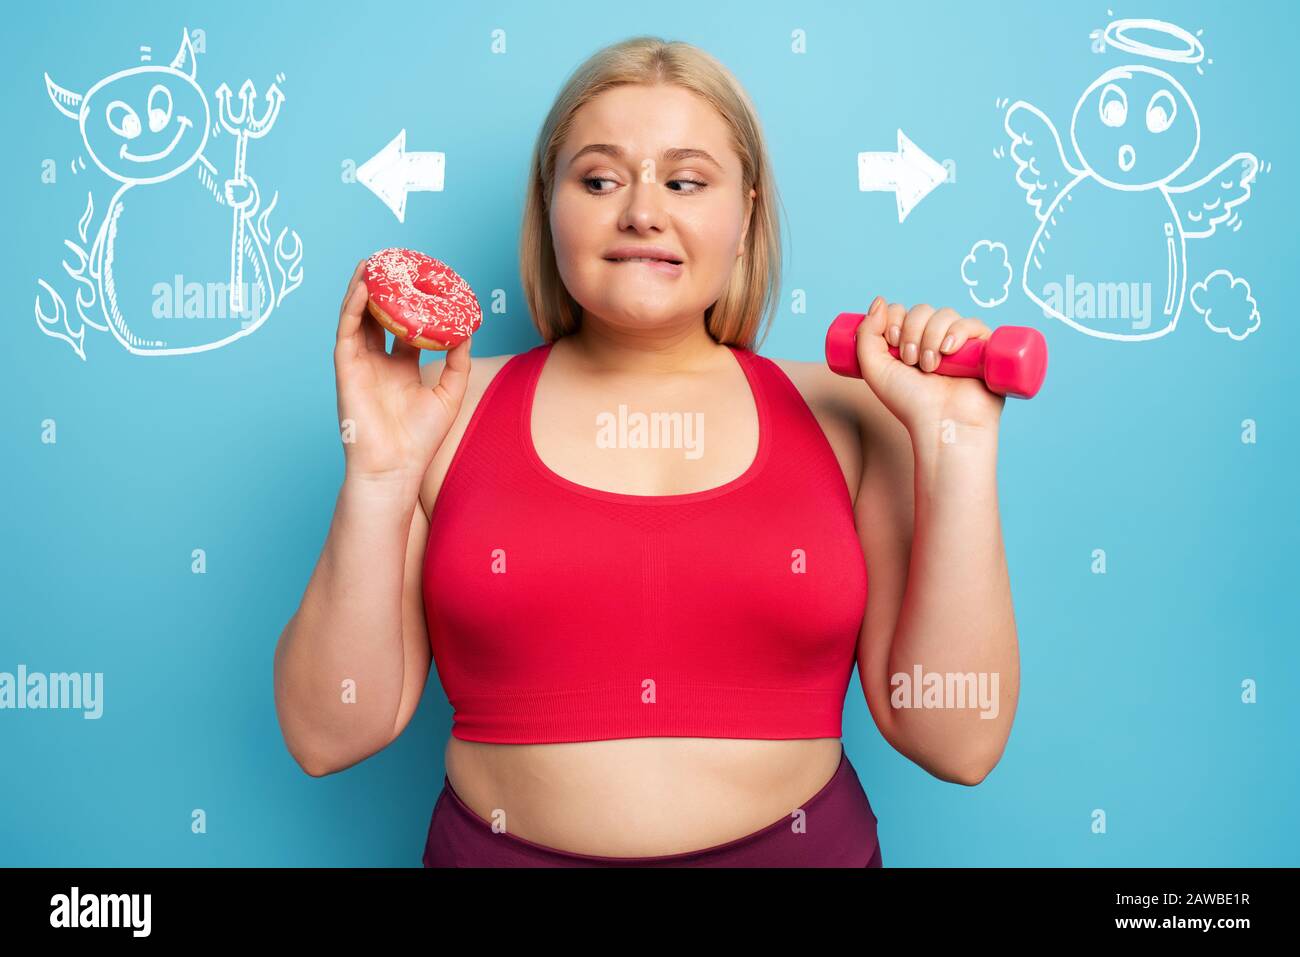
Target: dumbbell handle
[(1012, 361)]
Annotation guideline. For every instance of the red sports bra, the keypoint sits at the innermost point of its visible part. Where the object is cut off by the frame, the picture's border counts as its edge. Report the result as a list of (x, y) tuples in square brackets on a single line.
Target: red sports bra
[(558, 612)]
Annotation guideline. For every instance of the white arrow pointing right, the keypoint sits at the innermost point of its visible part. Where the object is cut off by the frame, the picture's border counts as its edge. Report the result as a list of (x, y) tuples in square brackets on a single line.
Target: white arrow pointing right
[(392, 172), (909, 174)]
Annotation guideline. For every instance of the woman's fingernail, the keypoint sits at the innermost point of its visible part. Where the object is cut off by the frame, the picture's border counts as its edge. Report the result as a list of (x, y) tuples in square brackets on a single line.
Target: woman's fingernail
[(893, 335), (909, 353), (927, 360), (947, 343), (875, 304)]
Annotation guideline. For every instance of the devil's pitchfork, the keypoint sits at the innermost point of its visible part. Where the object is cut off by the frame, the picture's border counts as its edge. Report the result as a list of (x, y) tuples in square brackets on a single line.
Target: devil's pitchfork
[(244, 125)]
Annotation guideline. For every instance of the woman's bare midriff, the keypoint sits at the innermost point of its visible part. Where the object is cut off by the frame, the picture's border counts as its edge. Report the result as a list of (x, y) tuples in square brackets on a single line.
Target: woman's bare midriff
[(636, 797)]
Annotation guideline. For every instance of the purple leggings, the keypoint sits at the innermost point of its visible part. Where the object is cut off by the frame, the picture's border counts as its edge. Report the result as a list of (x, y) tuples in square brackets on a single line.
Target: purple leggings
[(838, 830)]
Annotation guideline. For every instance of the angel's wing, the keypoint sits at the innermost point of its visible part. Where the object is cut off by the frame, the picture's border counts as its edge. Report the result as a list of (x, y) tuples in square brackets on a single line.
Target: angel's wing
[(1041, 167), (1208, 202)]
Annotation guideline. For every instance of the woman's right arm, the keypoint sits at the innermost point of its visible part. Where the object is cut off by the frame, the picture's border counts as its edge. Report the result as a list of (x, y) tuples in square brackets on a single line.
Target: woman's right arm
[(352, 662)]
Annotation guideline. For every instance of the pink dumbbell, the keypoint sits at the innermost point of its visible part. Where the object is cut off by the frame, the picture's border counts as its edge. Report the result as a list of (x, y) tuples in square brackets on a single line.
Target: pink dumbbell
[(1012, 361)]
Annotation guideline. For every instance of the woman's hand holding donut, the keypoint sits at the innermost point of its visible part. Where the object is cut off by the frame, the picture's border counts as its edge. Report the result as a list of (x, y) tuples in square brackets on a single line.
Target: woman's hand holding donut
[(904, 383), (392, 423)]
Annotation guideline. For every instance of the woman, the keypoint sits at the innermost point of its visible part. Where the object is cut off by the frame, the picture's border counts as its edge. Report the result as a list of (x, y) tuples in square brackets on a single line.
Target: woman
[(647, 644)]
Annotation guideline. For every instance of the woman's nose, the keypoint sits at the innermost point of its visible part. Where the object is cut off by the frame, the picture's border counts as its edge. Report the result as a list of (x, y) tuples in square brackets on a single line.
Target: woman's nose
[(644, 205)]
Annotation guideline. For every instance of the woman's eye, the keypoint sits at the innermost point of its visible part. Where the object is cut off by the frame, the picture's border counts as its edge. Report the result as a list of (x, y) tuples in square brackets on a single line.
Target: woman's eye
[(589, 180)]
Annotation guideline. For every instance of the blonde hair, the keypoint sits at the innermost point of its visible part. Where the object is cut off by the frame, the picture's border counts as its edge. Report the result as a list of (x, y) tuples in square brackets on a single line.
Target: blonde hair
[(749, 299)]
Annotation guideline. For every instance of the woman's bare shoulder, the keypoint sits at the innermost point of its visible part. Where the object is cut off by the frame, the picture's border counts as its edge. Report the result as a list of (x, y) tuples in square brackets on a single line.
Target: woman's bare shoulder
[(481, 370), (850, 400)]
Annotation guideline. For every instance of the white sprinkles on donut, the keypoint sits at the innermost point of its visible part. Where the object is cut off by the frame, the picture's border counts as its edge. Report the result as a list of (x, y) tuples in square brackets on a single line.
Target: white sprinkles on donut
[(423, 294)]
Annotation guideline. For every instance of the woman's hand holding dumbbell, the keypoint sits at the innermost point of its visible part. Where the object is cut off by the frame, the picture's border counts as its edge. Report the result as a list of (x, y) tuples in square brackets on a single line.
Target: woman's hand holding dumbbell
[(976, 366)]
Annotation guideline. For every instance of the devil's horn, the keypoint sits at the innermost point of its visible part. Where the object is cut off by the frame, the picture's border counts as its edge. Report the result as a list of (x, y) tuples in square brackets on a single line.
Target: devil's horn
[(67, 102), (184, 59)]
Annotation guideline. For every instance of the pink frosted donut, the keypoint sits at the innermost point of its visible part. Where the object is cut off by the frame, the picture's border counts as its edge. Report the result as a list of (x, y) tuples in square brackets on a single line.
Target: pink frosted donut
[(420, 300)]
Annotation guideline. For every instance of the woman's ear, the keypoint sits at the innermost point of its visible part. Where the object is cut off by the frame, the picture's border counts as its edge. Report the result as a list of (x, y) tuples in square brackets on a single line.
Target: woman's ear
[(749, 213)]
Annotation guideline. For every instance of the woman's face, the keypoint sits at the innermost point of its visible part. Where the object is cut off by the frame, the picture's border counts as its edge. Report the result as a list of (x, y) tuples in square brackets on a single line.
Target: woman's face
[(662, 173)]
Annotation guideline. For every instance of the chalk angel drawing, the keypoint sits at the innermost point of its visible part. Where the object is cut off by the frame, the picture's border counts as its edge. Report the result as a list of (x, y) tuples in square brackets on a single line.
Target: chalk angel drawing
[(146, 125), (1133, 132)]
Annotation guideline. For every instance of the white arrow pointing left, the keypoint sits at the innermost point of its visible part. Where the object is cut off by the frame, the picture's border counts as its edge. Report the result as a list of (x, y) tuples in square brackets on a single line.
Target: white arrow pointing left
[(909, 174), (392, 173)]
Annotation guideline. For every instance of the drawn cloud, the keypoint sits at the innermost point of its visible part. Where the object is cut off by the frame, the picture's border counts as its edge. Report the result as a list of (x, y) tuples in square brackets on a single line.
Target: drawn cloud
[(1226, 303), (987, 273)]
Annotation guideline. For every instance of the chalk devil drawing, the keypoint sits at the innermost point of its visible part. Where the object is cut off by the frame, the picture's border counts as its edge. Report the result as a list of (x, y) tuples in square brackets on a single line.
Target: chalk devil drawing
[(1113, 226), (143, 126)]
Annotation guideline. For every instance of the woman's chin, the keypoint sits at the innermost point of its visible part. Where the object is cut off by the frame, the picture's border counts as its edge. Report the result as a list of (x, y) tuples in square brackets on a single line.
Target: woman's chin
[(655, 318)]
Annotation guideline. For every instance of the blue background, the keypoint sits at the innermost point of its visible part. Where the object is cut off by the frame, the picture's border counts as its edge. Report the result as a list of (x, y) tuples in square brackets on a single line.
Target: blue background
[(1131, 680)]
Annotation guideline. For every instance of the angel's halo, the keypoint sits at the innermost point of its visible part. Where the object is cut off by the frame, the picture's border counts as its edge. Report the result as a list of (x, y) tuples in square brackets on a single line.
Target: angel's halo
[(1189, 50)]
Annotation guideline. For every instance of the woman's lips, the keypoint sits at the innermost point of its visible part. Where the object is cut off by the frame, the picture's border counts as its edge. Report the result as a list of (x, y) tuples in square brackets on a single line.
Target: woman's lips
[(657, 265)]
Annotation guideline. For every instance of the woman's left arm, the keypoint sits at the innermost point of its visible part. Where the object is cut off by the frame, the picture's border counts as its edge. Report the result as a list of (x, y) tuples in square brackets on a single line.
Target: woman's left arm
[(938, 657)]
